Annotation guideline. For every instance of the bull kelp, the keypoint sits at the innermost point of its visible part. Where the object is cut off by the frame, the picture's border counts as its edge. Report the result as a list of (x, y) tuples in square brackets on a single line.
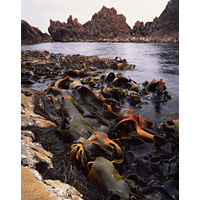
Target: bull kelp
[(98, 139)]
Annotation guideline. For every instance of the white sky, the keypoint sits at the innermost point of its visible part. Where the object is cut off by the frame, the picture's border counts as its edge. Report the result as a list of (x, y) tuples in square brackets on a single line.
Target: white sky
[(38, 12)]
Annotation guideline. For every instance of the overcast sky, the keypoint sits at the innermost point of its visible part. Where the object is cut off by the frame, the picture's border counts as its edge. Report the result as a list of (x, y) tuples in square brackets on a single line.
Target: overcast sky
[(38, 12)]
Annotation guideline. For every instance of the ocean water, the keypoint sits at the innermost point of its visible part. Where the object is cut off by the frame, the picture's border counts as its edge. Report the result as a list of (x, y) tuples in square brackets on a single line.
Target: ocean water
[(152, 60)]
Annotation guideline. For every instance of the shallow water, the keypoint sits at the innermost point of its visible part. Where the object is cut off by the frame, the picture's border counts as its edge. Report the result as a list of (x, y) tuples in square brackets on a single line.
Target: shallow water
[(159, 61)]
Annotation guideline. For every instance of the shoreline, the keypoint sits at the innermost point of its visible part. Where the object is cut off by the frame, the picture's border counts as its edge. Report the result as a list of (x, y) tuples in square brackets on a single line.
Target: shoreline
[(135, 40), (78, 122)]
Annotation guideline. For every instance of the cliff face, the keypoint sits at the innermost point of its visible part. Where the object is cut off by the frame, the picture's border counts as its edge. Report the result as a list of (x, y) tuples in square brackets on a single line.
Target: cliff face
[(106, 24), (30, 34), (164, 28)]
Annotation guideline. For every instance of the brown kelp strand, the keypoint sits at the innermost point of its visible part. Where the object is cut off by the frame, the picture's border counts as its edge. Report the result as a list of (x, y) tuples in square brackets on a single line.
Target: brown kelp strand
[(94, 139)]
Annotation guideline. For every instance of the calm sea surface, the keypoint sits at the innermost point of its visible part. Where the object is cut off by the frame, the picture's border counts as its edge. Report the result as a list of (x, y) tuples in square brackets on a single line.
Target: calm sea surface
[(158, 61)]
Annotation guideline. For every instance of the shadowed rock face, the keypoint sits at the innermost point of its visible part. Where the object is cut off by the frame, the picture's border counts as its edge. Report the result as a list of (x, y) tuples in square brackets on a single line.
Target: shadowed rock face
[(165, 27), (30, 34)]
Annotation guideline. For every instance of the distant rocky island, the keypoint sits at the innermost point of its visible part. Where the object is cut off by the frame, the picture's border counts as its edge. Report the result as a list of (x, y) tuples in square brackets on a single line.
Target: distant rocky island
[(108, 26)]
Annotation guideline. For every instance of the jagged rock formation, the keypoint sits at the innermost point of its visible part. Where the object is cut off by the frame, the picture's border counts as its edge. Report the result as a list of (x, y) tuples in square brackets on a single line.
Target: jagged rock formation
[(107, 24), (165, 28), (104, 25), (30, 34), (70, 31)]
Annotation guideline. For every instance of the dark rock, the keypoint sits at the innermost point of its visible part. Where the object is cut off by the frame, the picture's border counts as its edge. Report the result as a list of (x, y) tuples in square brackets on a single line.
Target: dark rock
[(164, 28), (138, 29), (30, 34), (167, 25)]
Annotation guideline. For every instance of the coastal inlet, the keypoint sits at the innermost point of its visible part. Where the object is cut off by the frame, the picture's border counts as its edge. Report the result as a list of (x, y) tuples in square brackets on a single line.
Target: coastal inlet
[(85, 118), (153, 61)]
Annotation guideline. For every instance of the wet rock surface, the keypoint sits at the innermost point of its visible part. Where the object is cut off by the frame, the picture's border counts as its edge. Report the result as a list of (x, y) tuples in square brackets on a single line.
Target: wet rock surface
[(78, 130)]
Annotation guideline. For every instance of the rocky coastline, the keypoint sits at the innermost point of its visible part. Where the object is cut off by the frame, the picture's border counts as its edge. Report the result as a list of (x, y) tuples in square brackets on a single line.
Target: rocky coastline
[(78, 123), (108, 26)]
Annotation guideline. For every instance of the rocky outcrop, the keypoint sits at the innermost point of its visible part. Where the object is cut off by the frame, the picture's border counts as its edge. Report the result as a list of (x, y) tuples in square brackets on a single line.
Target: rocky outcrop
[(105, 25), (30, 34), (164, 28), (67, 32)]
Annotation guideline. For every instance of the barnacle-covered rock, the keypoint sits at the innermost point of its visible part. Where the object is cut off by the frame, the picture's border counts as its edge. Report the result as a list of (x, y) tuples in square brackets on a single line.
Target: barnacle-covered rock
[(97, 145)]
